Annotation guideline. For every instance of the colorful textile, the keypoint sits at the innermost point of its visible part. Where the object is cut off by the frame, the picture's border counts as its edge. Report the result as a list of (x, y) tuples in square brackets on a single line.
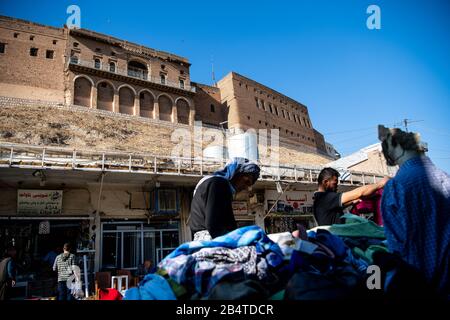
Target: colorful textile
[(245, 236), (416, 216), (355, 227), (152, 287), (202, 264)]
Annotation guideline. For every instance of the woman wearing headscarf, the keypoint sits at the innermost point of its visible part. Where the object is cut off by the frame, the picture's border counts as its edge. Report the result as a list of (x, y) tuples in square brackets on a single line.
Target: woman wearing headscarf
[(211, 209)]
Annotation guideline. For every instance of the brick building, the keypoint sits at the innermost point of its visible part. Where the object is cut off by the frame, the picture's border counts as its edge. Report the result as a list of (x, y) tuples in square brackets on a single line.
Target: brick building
[(97, 71)]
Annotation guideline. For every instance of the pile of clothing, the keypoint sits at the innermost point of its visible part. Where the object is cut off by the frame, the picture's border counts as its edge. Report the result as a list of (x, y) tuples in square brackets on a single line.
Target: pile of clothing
[(249, 264)]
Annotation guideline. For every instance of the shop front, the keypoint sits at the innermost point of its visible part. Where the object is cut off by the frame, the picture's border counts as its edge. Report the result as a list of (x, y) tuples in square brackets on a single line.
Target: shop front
[(37, 241)]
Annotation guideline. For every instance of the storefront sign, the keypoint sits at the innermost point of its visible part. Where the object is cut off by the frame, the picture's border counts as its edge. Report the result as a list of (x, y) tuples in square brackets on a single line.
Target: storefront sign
[(240, 207), (290, 201), (41, 202)]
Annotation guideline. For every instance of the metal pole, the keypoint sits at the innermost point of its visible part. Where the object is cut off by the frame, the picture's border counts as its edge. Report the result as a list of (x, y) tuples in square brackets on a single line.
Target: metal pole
[(129, 164), (74, 158), (86, 283), (43, 157)]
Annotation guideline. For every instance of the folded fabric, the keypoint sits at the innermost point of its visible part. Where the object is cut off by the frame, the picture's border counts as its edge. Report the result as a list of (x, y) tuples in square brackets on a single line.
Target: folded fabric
[(355, 227), (152, 287), (245, 236), (202, 264)]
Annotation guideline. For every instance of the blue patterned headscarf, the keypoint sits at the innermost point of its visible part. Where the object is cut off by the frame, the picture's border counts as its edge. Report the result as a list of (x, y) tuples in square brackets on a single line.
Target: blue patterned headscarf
[(239, 166)]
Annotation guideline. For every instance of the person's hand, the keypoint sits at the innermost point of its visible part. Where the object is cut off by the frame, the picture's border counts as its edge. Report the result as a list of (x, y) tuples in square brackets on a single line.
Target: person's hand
[(13, 283), (383, 182)]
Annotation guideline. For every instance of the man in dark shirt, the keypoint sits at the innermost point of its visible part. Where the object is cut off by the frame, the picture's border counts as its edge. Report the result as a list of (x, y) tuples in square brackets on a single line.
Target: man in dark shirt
[(329, 204), (211, 209)]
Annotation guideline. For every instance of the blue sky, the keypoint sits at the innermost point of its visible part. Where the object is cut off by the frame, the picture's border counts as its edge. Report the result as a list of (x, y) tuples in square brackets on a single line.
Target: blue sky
[(317, 52)]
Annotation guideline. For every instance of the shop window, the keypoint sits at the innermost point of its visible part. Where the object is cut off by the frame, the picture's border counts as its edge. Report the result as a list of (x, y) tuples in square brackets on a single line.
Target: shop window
[(33, 52), (49, 54)]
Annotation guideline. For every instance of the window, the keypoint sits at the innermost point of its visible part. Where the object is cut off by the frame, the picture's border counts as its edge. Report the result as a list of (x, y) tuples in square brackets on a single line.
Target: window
[(49, 54), (31, 38), (163, 66), (113, 53), (163, 79), (74, 59), (270, 107), (259, 121), (263, 105), (284, 114), (181, 83), (98, 50), (97, 64), (33, 52), (267, 124), (248, 117), (16, 34), (276, 110), (213, 109), (55, 41), (2, 47), (257, 103), (75, 44), (181, 72), (112, 67)]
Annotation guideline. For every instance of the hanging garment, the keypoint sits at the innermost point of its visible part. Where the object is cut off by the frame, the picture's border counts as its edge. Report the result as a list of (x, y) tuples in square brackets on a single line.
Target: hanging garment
[(370, 205)]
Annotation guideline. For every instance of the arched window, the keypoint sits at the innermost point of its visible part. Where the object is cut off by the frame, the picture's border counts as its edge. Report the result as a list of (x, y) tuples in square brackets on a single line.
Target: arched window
[(97, 64), (112, 67)]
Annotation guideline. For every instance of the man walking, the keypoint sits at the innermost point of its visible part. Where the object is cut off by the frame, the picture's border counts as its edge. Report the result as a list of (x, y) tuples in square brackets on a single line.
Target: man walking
[(64, 265)]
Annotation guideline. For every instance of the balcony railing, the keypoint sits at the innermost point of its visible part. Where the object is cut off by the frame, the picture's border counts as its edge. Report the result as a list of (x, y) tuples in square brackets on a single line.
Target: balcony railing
[(131, 72)]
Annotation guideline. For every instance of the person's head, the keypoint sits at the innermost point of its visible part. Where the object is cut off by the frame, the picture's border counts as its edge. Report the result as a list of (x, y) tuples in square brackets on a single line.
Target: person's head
[(148, 264), (242, 181), (66, 247), (241, 172), (328, 179), (396, 144)]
